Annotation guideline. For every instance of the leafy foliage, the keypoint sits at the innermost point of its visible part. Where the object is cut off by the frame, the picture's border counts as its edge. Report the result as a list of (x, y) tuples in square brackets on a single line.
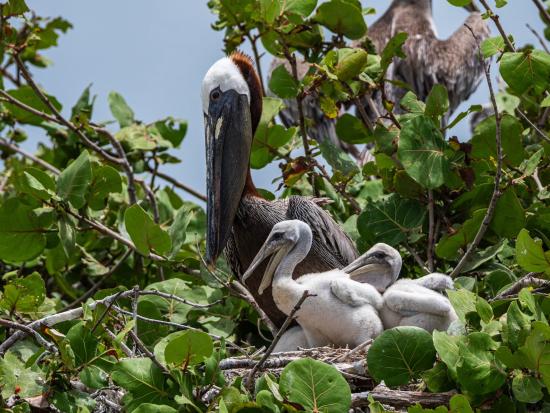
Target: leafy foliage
[(100, 245)]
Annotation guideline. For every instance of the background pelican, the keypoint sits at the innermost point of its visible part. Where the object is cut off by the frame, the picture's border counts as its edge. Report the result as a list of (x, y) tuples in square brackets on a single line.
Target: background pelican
[(342, 312), (238, 218)]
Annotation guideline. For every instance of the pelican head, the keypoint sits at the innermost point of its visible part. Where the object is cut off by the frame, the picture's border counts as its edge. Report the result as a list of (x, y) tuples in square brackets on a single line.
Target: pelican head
[(232, 106), (379, 266), (287, 238)]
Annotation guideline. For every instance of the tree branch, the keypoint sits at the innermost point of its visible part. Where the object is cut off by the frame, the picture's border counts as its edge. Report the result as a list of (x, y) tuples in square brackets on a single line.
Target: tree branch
[(496, 190), (28, 155), (496, 19), (539, 37), (178, 184), (542, 11)]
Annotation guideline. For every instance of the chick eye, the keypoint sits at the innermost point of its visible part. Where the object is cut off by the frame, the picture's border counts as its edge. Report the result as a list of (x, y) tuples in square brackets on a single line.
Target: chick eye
[(380, 255), (215, 95)]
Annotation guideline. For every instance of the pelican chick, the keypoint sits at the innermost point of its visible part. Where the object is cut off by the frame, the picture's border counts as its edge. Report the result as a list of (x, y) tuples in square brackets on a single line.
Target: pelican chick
[(342, 312), (419, 303)]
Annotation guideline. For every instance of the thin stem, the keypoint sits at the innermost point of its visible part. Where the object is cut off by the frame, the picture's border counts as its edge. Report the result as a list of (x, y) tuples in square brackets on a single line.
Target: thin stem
[(254, 46), (535, 127), (496, 190), (543, 11), (178, 184), (28, 155), (539, 37), (258, 366), (495, 18), (431, 231)]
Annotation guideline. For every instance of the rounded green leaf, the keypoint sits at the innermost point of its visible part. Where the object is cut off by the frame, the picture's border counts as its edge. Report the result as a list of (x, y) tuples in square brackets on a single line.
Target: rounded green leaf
[(421, 150), (530, 255), (342, 17), (21, 232), (283, 84), (146, 234), (351, 130), (154, 408), (527, 389), (401, 354), (189, 348), (120, 109), (316, 386), (526, 70), (351, 62), (74, 181)]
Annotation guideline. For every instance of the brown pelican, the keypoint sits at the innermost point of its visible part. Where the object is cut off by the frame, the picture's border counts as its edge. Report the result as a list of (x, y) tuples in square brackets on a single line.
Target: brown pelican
[(407, 302), (453, 62), (341, 312), (238, 218)]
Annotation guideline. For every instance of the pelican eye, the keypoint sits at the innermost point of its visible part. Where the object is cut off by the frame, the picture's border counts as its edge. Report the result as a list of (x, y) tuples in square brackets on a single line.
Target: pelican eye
[(379, 255), (215, 94)]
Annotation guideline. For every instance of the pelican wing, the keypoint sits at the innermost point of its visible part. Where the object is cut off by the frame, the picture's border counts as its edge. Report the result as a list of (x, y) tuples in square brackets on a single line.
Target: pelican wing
[(356, 294), (453, 63), (415, 299), (330, 242)]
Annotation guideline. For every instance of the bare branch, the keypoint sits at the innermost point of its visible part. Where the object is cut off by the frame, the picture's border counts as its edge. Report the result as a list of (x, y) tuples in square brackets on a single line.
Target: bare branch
[(542, 11), (401, 398), (529, 280), (539, 37), (495, 18), (178, 184), (496, 190), (526, 119), (139, 344), (28, 155), (26, 329)]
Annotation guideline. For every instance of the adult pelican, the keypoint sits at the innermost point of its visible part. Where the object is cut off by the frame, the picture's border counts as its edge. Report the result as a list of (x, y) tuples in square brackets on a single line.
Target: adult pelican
[(238, 218), (453, 62)]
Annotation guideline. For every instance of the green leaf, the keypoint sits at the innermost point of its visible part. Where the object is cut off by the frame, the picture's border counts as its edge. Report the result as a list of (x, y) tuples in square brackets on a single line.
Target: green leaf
[(449, 245), (30, 381), (106, 180), (342, 17), (545, 102), (188, 348), (67, 234), (171, 129), (138, 137), (517, 326), (74, 181), (178, 229), (283, 84), (351, 62), (14, 7), (316, 386), (154, 408), (145, 233), (478, 371), (26, 95), (447, 349), (463, 301), (460, 404), (437, 102), (390, 219), (484, 144), (460, 3), (24, 295), (536, 351), (529, 166), (400, 354), (340, 161), (421, 150), (530, 255), (484, 310), (394, 48), (21, 232), (83, 343), (302, 7), (94, 377), (509, 216), (526, 70), (437, 378), (526, 389), (492, 46), (120, 110), (144, 381), (73, 401), (351, 130)]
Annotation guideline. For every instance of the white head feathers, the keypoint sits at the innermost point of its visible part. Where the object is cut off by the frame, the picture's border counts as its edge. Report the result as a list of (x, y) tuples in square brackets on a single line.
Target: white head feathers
[(226, 75)]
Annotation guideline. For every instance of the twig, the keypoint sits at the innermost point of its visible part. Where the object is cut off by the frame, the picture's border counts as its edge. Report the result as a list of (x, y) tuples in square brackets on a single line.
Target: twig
[(543, 11), (401, 398), (247, 296), (526, 119), (26, 329), (250, 377), (178, 184), (256, 59), (529, 280), (135, 314), (363, 113), (353, 351), (175, 325), (417, 258), (126, 350), (29, 156), (431, 231), (495, 18), (496, 190), (139, 344), (539, 37), (152, 199), (353, 203), (125, 163)]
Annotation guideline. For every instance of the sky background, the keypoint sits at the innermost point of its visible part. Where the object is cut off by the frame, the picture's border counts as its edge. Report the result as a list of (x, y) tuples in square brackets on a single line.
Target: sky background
[(156, 53)]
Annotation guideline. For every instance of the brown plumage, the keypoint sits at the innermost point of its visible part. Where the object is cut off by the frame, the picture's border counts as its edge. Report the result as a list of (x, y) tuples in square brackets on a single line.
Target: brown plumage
[(453, 62), (230, 126)]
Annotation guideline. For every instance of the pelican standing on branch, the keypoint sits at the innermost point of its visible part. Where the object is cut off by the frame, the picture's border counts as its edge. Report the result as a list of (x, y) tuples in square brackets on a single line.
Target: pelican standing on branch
[(238, 218), (340, 312)]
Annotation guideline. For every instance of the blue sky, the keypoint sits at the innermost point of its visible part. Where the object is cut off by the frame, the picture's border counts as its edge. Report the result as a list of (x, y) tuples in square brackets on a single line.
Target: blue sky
[(156, 53)]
